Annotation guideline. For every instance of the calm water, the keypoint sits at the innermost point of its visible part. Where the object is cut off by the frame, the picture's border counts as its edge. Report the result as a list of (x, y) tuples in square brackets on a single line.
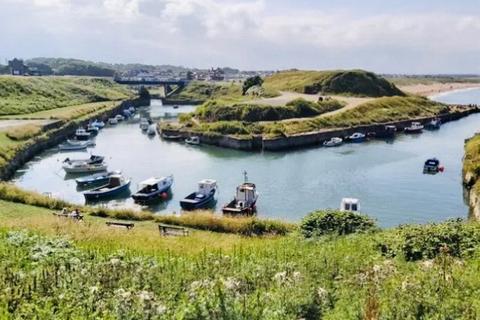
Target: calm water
[(386, 177)]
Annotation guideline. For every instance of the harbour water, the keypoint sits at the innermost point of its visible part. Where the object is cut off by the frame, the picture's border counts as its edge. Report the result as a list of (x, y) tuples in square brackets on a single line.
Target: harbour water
[(386, 176)]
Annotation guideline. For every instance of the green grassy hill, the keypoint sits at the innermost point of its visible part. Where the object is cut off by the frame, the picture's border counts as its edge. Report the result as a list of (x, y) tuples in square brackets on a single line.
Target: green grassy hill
[(22, 95), (349, 82), (202, 91)]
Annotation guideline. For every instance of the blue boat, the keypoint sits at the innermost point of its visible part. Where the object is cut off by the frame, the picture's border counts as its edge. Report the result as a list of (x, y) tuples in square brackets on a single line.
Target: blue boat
[(116, 185), (202, 198), (152, 189), (96, 179), (357, 137)]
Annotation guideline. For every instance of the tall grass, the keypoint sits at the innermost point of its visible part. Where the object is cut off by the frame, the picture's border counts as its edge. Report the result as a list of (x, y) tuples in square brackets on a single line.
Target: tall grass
[(24, 132)]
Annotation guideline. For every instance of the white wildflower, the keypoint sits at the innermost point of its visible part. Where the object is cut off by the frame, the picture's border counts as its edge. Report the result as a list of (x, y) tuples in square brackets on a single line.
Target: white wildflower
[(322, 293), (115, 261), (280, 277), (93, 290), (145, 296), (161, 309), (231, 284), (427, 264)]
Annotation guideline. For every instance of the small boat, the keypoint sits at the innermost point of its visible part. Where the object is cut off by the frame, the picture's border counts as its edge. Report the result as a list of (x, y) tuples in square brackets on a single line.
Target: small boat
[(357, 137), (389, 132), (119, 117), (194, 140), (151, 131), (201, 198), (126, 113), (93, 130), (152, 189), (144, 124), (175, 106), (432, 166), (98, 124), (171, 136), (82, 134), (434, 124), (82, 167), (116, 185), (333, 142), (350, 204), (72, 145), (74, 142), (112, 121), (244, 201), (96, 179), (93, 159), (131, 109), (415, 127)]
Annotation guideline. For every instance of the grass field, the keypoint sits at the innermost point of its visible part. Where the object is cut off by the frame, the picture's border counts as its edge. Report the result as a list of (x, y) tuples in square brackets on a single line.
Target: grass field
[(26, 95)]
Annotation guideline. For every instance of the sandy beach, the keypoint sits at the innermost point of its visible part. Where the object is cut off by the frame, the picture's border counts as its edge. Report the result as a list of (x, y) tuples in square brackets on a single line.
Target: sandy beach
[(436, 88)]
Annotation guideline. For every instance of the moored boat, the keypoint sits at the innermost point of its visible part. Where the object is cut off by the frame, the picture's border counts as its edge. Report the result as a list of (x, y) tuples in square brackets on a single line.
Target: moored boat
[(432, 166), (131, 109), (119, 117), (98, 124), (93, 159), (193, 140), (244, 201), (333, 142), (357, 137), (171, 136), (112, 121), (152, 189), (73, 145), (433, 124), (144, 124), (388, 132), (151, 131), (117, 184), (202, 197), (75, 142), (82, 167), (96, 179), (93, 130), (82, 134), (415, 127)]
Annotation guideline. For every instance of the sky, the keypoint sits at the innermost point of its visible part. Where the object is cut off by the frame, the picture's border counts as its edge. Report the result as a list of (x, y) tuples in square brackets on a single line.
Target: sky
[(385, 36)]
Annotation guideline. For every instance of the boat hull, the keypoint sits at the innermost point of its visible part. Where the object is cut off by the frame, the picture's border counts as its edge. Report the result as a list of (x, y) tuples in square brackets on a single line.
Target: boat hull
[(97, 195), (141, 197), (231, 209), (88, 169), (191, 202)]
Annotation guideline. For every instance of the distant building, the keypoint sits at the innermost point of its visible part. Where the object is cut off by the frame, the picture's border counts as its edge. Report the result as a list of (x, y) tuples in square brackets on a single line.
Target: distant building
[(17, 67), (216, 74)]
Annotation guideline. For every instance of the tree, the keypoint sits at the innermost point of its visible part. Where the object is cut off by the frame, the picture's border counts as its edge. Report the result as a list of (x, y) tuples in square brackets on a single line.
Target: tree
[(250, 82)]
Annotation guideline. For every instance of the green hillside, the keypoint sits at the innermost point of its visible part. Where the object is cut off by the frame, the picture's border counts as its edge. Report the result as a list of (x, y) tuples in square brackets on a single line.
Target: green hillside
[(22, 95), (350, 82)]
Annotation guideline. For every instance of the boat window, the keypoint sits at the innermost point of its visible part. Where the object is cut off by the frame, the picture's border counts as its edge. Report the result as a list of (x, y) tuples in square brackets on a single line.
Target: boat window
[(354, 207), (347, 206)]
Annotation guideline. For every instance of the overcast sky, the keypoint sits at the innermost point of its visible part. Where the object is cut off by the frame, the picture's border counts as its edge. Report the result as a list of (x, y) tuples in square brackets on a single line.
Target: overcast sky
[(390, 36)]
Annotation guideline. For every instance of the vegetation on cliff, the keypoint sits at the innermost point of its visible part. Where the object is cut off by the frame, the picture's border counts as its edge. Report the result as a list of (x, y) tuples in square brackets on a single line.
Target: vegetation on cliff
[(349, 82), (23, 95), (471, 164)]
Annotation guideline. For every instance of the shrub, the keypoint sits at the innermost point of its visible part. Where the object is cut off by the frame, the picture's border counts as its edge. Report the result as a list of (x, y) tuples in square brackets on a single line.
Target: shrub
[(335, 222), (416, 242)]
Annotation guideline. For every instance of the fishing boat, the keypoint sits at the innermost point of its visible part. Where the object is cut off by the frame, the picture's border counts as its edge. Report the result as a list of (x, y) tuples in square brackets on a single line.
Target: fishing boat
[(357, 137), (194, 140), (112, 121), (119, 117), (151, 131), (245, 199), (144, 124), (350, 204), (202, 197), (333, 142), (415, 127), (117, 184), (432, 166), (93, 159), (433, 124), (82, 134), (83, 167), (171, 136), (153, 188), (98, 124), (96, 179)]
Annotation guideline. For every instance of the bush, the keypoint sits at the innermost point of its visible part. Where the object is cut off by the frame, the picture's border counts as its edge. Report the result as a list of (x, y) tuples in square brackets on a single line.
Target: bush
[(248, 226), (416, 242), (333, 222), (24, 132)]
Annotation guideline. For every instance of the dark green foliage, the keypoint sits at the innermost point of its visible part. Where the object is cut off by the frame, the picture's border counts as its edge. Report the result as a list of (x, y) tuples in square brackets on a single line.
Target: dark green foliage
[(416, 242), (4, 69), (73, 67), (250, 82), (333, 222), (42, 68), (144, 93)]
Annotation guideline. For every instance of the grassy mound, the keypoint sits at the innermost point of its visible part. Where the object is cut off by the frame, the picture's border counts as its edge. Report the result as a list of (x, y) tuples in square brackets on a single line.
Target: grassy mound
[(22, 95), (351, 82), (202, 91)]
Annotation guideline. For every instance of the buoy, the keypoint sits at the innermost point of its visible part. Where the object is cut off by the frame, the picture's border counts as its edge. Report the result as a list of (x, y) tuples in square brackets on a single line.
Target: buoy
[(164, 195), (441, 168)]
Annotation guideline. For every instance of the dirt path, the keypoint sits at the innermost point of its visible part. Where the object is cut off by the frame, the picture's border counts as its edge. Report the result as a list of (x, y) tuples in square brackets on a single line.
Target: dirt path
[(6, 124)]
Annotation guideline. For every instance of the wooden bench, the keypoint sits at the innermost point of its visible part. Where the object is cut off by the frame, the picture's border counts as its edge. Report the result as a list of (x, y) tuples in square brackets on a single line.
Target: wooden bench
[(120, 224), (67, 215), (168, 230)]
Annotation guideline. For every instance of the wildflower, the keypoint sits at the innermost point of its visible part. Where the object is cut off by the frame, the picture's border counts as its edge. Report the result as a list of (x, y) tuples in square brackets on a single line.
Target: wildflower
[(322, 293), (427, 264), (161, 309), (123, 294), (280, 277), (93, 290), (115, 261), (145, 296), (231, 284)]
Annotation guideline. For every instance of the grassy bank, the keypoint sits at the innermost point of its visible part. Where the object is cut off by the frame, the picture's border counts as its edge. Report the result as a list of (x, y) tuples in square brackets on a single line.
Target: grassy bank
[(471, 164), (349, 82), (25, 95)]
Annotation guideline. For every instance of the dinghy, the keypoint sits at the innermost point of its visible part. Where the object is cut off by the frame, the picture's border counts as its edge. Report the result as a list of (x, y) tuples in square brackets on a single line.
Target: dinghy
[(116, 185), (415, 127), (334, 142), (194, 140), (152, 189), (96, 179), (202, 197), (357, 137), (93, 159)]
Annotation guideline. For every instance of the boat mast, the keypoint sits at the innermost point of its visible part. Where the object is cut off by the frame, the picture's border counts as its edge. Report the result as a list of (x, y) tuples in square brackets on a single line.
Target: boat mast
[(245, 177)]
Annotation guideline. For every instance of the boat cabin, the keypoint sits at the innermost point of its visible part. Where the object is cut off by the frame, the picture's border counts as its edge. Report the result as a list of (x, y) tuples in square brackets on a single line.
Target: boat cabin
[(350, 204), (206, 186), (246, 195)]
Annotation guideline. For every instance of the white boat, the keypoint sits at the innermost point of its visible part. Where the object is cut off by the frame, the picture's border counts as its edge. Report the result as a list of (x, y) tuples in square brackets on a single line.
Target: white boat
[(112, 121), (82, 134), (350, 204), (131, 109), (244, 201), (194, 140), (73, 147), (119, 117), (333, 142), (151, 130), (152, 188), (415, 127), (79, 167), (98, 124), (144, 124), (88, 143), (357, 137)]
